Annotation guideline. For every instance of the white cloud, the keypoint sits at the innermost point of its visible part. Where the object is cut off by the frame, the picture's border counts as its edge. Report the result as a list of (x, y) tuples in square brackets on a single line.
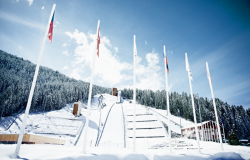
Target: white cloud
[(66, 53), (42, 7), (64, 44), (65, 68), (116, 49), (30, 2), (76, 73), (146, 42), (149, 77), (107, 67)]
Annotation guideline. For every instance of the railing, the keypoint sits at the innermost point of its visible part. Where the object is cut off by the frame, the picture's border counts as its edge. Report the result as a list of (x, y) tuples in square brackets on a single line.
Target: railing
[(99, 138), (208, 134), (124, 128)]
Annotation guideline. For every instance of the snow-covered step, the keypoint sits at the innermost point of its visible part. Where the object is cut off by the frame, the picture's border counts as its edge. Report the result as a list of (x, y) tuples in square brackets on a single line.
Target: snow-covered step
[(153, 124), (141, 111), (139, 114), (141, 118), (145, 143), (154, 133)]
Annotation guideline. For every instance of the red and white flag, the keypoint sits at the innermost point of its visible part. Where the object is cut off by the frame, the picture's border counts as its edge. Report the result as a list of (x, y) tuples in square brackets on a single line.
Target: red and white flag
[(51, 29), (98, 41), (208, 74)]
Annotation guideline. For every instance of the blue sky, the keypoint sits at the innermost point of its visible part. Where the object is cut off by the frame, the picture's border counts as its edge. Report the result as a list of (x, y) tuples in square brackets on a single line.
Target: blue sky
[(217, 32)]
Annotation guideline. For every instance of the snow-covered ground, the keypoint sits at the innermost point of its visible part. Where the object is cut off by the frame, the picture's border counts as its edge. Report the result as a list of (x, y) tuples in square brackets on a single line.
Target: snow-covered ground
[(112, 143), (57, 124), (210, 151)]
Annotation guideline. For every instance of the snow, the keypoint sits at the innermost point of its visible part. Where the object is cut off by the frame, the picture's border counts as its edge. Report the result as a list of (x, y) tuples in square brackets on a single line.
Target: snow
[(210, 151), (114, 128), (114, 142)]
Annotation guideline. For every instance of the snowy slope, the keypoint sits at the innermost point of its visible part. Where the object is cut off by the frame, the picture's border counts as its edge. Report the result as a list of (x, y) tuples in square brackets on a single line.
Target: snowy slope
[(96, 117), (113, 134)]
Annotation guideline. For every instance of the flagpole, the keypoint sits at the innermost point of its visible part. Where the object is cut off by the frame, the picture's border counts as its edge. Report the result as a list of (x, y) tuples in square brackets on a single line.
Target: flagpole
[(200, 119), (205, 132), (89, 98), (134, 97), (20, 138), (192, 97), (214, 132), (211, 132), (223, 132), (215, 110), (166, 77)]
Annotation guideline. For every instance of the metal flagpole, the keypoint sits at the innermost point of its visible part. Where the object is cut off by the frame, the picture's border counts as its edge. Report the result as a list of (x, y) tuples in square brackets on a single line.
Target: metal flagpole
[(206, 131), (209, 132), (217, 135), (208, 138), (134, 97), (191, 92), (200, 118), (214, 132), (215, 109), (180, 121), (89, 98), (166, 77), (20, 138), (223, 133)]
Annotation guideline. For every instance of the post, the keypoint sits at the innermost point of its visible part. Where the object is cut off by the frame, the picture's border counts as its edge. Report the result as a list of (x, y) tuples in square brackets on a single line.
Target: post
[(180, 121), (192, 97), (20, 138), (215, 109), (205, 132), (134, 97), (200, 119), (209, 132), (223, 133), (214, 132), (89, 97), (169, 129)]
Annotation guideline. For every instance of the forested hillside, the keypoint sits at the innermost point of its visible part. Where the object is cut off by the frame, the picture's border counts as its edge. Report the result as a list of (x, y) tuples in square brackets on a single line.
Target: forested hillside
[(53, 89), (234, 117)]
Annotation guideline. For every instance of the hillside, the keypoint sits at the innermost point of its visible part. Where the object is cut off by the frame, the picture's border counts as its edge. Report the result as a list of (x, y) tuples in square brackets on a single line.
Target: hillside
[(61, 124), (53, 89), (234, 117)]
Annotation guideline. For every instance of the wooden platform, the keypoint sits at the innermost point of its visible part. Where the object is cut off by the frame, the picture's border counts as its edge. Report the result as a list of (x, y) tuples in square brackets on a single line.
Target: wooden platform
[(30, 139)]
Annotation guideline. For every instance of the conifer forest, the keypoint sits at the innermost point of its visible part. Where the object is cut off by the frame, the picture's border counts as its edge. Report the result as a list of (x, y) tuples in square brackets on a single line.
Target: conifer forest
[(54, 90)]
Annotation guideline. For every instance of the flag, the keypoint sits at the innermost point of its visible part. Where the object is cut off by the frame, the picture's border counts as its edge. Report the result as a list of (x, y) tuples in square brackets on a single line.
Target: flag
[(166, 62), (135, 50), (208, 74), (188, 68), (51, 28), (98, 41)]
